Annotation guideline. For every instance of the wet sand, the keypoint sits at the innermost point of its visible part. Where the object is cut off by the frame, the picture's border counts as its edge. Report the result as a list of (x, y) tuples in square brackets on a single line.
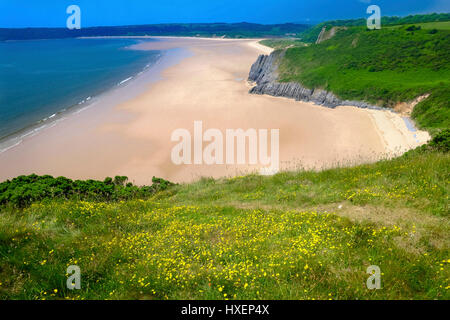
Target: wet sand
[(132, 137)]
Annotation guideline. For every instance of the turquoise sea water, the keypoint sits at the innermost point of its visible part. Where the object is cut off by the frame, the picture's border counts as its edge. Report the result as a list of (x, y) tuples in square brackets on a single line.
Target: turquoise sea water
[(41, 78)]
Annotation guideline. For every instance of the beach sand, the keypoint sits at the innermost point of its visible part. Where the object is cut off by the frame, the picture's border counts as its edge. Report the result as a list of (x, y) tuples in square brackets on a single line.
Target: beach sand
[(133, 137)]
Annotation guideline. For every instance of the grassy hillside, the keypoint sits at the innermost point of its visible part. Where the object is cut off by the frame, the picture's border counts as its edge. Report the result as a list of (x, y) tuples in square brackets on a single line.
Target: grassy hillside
[(298, 235), (384, 66), (282, 43), (310, 35)]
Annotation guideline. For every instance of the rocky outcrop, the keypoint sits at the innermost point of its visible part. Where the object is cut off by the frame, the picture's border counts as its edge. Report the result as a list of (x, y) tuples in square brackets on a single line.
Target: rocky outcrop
[(265, 69), (264, 73), (319, 38), (327, 35)]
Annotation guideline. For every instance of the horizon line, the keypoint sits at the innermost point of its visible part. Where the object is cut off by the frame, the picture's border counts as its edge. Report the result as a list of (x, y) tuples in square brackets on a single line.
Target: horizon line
[(311, 22)]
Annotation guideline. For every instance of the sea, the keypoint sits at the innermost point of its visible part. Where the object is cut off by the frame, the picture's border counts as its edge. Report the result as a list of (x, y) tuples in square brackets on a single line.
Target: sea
[(41, 80)]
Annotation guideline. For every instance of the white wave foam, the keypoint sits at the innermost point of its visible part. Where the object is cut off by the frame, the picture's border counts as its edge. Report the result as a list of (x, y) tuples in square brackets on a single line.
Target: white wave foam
[(10, 147), (128, 79)]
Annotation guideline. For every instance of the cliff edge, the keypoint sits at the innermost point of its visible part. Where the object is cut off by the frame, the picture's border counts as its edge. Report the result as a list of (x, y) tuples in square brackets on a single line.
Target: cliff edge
[(264, 73)]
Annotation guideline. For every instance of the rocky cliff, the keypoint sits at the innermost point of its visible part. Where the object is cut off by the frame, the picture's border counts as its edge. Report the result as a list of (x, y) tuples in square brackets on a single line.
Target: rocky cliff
[(264, 73)]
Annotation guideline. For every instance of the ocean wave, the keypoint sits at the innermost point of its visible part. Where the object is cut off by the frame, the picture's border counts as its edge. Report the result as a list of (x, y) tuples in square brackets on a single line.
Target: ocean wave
[(10, 147), (14, 140), (123, 81), (82, 109)]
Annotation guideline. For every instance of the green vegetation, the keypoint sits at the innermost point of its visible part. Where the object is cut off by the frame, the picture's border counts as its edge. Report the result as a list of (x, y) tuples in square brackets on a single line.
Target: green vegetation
[(296, 235), (310, 35), (282, 43), (24, 190), (441, 142), (434, 112), (383, 67), (434, 25)]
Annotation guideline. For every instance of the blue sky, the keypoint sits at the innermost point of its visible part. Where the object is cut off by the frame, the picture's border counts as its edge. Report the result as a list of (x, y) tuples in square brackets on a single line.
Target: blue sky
[(52, 13)]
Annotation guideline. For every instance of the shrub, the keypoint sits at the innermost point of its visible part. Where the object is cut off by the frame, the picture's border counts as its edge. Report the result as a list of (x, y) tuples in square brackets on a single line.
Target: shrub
[(413, 28), (24, 190)]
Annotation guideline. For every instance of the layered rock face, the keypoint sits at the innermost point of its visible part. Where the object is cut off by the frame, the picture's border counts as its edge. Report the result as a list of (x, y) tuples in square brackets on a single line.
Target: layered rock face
[(264, 73)]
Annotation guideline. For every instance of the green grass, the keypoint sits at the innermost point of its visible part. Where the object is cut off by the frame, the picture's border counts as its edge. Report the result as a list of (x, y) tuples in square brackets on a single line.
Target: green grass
[(228, 30), (439, 25), (445, 25), (295, 235), (310, 35), (282, 43), (383, 67)]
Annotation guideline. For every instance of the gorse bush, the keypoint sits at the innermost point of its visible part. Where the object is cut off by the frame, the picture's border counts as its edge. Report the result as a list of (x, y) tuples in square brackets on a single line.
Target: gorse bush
[(230, 30), (24, 190), (441, 141)]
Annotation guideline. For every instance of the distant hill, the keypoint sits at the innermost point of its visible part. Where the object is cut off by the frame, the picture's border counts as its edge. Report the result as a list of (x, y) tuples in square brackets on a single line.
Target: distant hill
[(311, 34), (228, 30)]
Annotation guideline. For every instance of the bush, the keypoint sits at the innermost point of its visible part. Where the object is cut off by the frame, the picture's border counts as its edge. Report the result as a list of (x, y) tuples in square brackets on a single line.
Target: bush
[(24, 190), (441, 141), (413, 28)]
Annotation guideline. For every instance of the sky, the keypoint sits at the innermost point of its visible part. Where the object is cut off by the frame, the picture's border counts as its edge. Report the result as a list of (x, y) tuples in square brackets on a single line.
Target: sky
[(52, 13)]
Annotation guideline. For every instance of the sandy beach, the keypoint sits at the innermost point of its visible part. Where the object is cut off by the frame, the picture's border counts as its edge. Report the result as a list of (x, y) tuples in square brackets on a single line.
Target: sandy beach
[(132, 136)]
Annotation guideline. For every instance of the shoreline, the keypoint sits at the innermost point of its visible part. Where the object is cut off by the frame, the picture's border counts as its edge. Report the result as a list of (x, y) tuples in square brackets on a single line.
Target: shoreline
[(130, 133), (16, 138)]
